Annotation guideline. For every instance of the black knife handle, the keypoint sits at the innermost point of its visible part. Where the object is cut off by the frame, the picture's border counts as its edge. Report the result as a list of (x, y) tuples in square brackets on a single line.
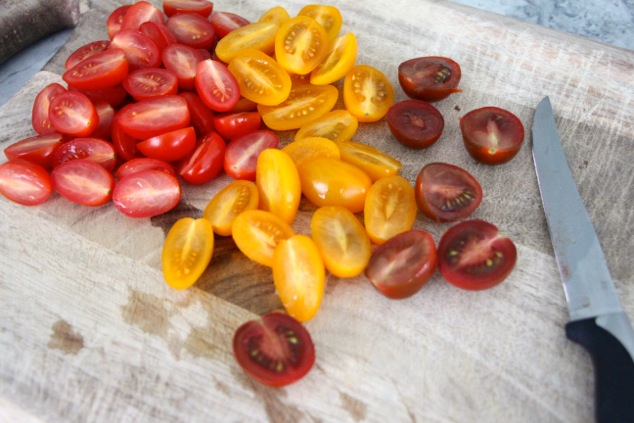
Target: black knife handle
[(613, 371)]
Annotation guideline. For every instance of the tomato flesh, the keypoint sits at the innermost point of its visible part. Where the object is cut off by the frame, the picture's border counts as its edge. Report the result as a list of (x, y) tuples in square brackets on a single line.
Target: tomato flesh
[(39, 114), (310, 148), (95, 149), (84, 182), (72, 113), (205, 162), (339, 61), (241, 155), (415, 123), (37, 149), (216, 86), (25, 182), (258, 36), (193, 30), (336, 125), (228, 203), (142, 163), (301, 44), (367, 93), (430, 78), (374, 162), (146, 193), (140, 51), (154, 116), (182, 61), (86, 51), (146, 83), (225, 22), (99, 71), (200, 7)]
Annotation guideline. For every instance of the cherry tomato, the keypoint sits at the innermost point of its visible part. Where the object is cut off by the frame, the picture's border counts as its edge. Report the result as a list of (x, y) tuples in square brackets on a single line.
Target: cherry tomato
[(205, 162), (25, 182), (193, 30), (299, 276), (83, 181), (367, 93), (146, 193), (261, 78), (401, 266), (310, 148), (257, 233), (72, 113), (85, 51), (430, 78), (150, 82), (154, 116), (337, 125), (37, 149), (415, 123), (275, 350), (233, 125), (446, 193), (225, 22), (201, 115), (170, 146), (257, 36), (140, 12), (216, 86), (327, 16), (39, 114), (342, 241), (159, 33), (142, 163), (105, 116), (374, 162), (277, 14), (278, 184), (390, 208), (242, 153), (228, 203), (182, 61), (473, 255), (95, 149), (187, 251), (301, 44), (338, 62), (124, 144), (99, 71), (331, 182), (115, 96), (200, 7), (304, 104), (140, 51), (492, 135), (115, 19)]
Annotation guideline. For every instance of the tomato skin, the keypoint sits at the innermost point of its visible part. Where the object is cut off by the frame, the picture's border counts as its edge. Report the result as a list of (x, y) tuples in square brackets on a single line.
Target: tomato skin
[(205, 162), (115, 96), (327, 16), (83, 181), (139, 164), (182, 61), (39, 114), (216, 86), (140, 12), (187, 252), (146, 83), (105, 116), (336, 125), (446, 193), (99, 71), (95, 149), (85, 51), (201, 116), (200, 7), (339, 61), (159, 33), (276, 14), (374, 162), (278, 184), (367, 93), (310, 148), (431, 78), (402, 265), (72, 113), (473, 255), (115, 19), (25, 182), (154, 116), (225, 22), (237, 197), (37, 149), (257, 233), (124, 144), (170, 146), (242, 153), (415, 123), (146, 193), (193, 30), (232, 125), (301, 44), (258, 36), (275, 350), (492, 135)]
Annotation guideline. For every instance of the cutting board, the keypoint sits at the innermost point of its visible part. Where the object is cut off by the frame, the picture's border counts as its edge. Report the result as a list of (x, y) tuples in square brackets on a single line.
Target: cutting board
[(89, 331)]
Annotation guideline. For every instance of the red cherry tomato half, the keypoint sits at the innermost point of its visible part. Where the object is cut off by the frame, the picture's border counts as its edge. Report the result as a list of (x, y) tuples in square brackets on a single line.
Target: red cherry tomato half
[(25, 182), (202, 118), (95, 149), (140, 12), (473, 255), (146, 193), (83, 181), (492, 135), (154, 116), (150, 82), (72, 113), (159, 33), (105, 114), (225, 22), (124, 144), (206, 161), (400, 267), (200, 7), (182, 61), (86, 51), (415, 123), (430, 78), (233, 125), (275, 350), (242, 153), (193, 30), (140, 50), (39, 114), (115, 19), (99, 71), (170, 146), (446, 193), (37, 149), (143, 163), (216, 86)]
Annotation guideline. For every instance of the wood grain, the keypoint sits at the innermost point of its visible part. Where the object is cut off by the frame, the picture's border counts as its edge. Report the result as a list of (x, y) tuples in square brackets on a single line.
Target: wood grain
[(90, 332)]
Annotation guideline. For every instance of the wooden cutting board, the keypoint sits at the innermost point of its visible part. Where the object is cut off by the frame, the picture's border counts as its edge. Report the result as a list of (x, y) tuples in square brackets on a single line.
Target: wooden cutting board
[(89, 332)]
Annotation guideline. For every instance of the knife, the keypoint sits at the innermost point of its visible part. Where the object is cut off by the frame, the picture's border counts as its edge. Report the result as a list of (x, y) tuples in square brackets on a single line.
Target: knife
[(597, 320)]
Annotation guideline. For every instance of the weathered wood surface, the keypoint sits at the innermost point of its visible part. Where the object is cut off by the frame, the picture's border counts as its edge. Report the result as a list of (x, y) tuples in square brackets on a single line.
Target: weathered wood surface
[(89, 332)]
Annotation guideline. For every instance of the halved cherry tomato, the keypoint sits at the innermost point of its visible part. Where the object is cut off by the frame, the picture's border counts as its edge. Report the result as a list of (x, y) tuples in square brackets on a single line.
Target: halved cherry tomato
[(327, 16), (225, 22), (304, 104), (301, 44), (261, 78), (367, 93), (492, 135), (124, 144), (85, 51), (182, 61), (374, 162), (257, 36), (430, 78), (400, 267), (105, 116), (338, 62), (154, 116), (150, 82), (390, 208), (159, 33), (83, 181), (146, 193), (39, 114), (415, 123), (115, 19), (473, 255), (170, 146), (446, 193), (193, 30), (187, 251), (337, 125), (37, 149), (200, 7), (257, 233), (115, 96), (342, 241), (277, 14), (142, 163), (140, 50), (332, 182), (25, 182), (242, 153), (201, 115), (140, 12), (205, 162), (95, 149), (278, 184), (99, 71), (275, 350), (216, 86), (236, 124), (299, 276), (228, 203), (72, 113), (310, 148)]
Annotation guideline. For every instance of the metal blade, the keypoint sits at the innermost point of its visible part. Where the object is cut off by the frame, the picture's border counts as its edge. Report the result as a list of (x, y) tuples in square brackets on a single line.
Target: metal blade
[(589, 288)]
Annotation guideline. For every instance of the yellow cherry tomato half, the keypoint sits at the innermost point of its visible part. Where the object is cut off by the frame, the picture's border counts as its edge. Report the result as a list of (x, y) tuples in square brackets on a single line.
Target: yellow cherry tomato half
[(277, 14), (299, 276), (187, 251), (332, 182), (260, 78), (327, 16), (376, 163), (311, 148), (300, 45), (257, 233), (339, 61), (336, 125), (257, 35), (304, 104), (390, 208), (367, 93), (342, 241), (278, 184), (228, 203)]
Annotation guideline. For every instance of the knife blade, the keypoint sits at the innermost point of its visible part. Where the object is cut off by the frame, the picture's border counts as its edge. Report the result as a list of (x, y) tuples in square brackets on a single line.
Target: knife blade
[(597, 320)]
